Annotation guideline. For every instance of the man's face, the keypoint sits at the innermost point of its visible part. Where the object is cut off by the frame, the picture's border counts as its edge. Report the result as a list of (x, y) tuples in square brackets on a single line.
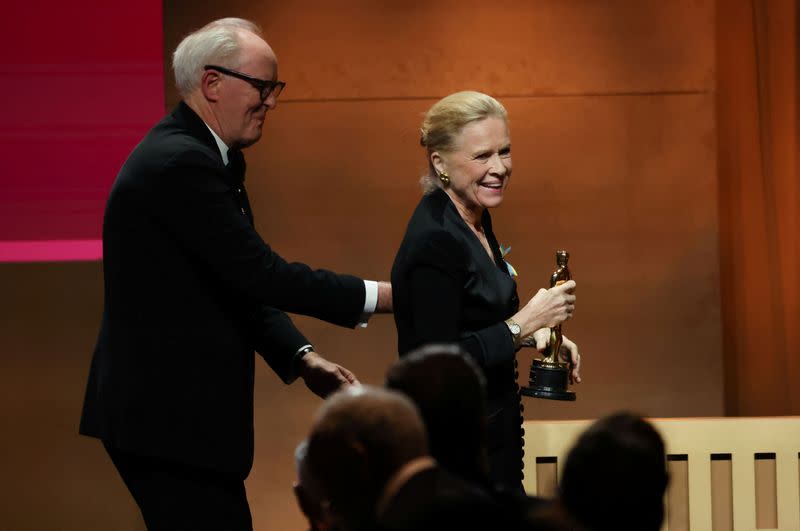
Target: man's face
[(241, 112)]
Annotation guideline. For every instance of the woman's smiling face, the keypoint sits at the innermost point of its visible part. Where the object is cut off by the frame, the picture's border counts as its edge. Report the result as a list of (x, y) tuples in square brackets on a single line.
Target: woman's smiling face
[(479, 166)]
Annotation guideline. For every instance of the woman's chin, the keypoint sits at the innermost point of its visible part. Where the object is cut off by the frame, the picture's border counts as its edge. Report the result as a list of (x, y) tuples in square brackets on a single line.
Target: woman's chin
[(491, 200)]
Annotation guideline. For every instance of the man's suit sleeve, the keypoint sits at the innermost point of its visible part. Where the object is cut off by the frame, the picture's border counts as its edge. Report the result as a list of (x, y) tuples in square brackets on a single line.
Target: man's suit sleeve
[(195, 202), (276, 339)]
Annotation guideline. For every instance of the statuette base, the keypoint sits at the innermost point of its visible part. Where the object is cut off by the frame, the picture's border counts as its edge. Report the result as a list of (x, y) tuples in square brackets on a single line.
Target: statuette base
[(549, 381)]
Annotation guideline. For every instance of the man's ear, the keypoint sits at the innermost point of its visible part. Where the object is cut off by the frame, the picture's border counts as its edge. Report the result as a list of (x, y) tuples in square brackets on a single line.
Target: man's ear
[(211, 85), (438, 162)]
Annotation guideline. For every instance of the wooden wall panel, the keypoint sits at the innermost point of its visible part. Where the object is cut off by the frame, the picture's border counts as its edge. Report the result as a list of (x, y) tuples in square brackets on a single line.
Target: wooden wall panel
[(53, 478), (612, 121), (355, 49), (632, 198), (613, 132), (757, 116)]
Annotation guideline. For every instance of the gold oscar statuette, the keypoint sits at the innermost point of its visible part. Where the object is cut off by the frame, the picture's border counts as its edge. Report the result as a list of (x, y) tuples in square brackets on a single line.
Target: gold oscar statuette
[(549, 376)]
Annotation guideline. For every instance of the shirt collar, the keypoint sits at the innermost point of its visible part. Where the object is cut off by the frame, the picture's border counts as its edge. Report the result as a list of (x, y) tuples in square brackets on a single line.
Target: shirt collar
[(223, 149)]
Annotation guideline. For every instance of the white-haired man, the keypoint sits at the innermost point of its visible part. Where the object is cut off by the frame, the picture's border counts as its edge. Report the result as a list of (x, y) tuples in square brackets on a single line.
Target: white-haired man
[(191, 291)]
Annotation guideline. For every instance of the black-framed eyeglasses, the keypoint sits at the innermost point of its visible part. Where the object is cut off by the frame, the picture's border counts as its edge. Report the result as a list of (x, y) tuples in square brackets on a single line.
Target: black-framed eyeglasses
[(264, 87)]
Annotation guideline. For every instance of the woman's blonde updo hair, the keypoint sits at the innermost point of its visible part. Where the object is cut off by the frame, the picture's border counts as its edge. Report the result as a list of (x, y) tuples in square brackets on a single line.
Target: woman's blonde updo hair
[(445, 120)]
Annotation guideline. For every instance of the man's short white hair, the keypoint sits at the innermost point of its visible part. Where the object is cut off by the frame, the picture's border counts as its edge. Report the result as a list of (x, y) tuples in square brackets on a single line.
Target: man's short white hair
[(215, 43)]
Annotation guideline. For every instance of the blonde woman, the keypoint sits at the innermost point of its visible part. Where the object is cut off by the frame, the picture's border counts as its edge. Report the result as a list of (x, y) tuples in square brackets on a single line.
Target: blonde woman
[(450, 282)]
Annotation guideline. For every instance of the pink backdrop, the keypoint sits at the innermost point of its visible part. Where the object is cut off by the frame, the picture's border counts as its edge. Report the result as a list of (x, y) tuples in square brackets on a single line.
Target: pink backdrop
[(82, 82)]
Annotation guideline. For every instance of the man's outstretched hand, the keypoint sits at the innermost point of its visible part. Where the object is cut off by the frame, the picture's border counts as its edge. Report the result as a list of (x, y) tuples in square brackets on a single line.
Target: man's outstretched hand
[(323, 377)]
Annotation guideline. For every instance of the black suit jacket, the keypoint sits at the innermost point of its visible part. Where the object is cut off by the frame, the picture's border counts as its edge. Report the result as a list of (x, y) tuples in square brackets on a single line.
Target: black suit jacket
[(445, 288), (190, 292)]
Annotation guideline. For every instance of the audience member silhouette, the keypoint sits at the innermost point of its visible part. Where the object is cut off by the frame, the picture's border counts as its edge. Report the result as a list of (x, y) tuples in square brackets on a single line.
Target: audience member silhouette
[(449, 390), (308, 494), (615, 476), (369, 451)]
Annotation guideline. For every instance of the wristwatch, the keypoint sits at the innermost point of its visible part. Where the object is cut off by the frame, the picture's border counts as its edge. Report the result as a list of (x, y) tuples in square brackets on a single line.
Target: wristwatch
[(516, 333), (295, 366)]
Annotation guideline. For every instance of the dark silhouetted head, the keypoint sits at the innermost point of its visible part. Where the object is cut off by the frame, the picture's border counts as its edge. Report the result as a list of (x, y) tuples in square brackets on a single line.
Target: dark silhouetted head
[(359, 438), (615, 476), (449, 390)]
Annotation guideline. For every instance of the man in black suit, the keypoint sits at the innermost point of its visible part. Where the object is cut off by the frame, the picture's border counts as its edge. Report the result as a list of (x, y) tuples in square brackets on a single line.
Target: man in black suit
[(191, 290)]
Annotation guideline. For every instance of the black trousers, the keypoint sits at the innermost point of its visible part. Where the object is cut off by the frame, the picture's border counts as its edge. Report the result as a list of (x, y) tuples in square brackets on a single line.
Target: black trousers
[(177, 497)]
